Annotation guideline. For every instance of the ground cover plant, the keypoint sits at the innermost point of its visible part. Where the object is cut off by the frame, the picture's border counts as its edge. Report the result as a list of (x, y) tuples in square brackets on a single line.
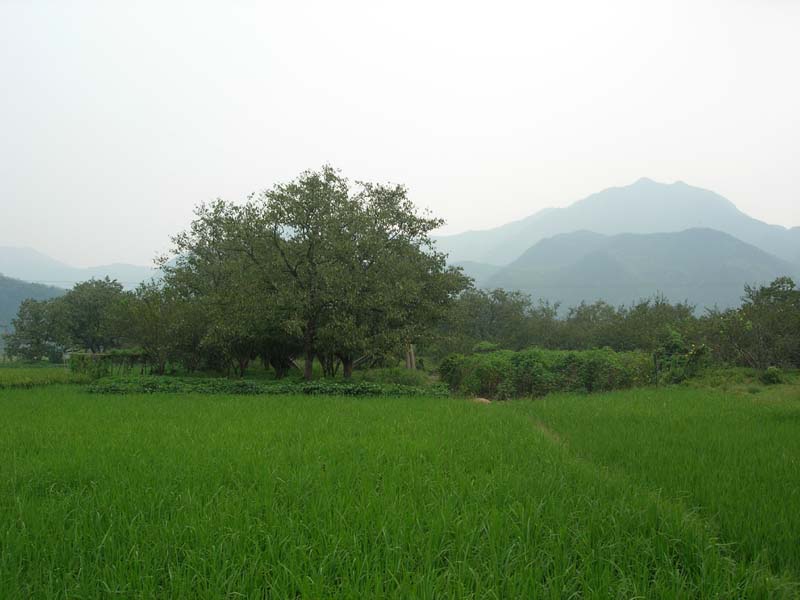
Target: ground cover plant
[(203, 495), (729, 453)]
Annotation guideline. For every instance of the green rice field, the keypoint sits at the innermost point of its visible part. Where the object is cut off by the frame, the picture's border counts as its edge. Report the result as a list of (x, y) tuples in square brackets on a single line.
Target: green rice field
[(668, 493)]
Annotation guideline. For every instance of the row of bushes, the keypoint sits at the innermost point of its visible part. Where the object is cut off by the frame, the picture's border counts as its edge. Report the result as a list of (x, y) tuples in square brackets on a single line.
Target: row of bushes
[(505, 374), (155, 384)]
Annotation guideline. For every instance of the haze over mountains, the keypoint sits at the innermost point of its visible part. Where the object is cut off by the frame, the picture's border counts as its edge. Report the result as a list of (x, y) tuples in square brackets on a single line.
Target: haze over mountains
[(26, 273), (33, 266), (13, 292), (643, 207), (704, 266), (627, 243), (620, 245)]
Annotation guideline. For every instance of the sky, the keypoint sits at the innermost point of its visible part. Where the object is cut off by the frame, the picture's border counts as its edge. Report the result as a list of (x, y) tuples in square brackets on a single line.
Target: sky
[(117, 118)]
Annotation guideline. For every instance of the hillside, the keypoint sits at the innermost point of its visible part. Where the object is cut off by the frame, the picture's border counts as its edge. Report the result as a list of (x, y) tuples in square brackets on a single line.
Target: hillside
[(645, 206), (703, 266), (14, 291), (30, 265)]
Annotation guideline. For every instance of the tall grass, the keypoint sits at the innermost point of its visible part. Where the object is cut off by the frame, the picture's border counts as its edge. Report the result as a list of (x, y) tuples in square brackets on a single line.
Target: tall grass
[(32, 376), (170, 495), (731, 456)]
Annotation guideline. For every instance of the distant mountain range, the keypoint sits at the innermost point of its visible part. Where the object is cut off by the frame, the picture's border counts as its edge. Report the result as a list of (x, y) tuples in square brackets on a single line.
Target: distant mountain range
[(620, 245), (704, 266), (643, 207), (33, 266), (627, 243)]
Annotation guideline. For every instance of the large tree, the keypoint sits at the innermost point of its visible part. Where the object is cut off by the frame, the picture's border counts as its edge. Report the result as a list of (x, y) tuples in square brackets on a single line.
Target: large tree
[(90, 314), (338, 269)]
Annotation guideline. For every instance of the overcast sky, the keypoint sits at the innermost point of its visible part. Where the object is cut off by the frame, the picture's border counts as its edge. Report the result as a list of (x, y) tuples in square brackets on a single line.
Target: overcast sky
[(116, 118)]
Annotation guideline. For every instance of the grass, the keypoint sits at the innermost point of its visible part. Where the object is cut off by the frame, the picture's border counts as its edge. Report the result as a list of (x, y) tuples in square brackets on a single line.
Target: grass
[(26, 376), (170, 495), (731, 455)]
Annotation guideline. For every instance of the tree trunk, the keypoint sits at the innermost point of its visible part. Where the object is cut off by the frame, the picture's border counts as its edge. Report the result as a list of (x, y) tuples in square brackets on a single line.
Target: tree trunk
[(243, 364), (411, 357), (308, 349), (308, 368), (347, 367)]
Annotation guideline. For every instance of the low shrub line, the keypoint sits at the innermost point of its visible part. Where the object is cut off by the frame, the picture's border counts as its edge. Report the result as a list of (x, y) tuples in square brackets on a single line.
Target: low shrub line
[(506, 374), (153, 385)]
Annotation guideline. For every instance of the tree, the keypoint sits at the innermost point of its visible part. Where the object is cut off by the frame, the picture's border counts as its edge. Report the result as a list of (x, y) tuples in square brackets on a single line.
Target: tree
[(763, 332), (334, 269), (90, 314), (152, 316), (33, 332)]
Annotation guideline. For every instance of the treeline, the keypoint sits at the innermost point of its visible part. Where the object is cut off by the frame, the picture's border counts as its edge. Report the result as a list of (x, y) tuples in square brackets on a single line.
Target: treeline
[(317, 269), (764, 331), (322, 270)]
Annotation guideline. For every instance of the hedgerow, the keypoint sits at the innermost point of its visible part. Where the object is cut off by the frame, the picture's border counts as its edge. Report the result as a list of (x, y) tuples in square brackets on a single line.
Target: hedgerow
[(153, 384), (535, 372)]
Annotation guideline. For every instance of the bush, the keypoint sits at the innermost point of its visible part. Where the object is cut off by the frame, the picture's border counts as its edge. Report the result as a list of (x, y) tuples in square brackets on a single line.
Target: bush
[(677, 361), (155, 384), (536, 372), (394, 375), (93, 366), (771, 376), (482, 347)]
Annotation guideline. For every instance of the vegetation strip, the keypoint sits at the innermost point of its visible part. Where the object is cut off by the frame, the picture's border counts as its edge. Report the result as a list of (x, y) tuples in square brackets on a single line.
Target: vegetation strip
[(177, 385), (728, 455), (161, 495)]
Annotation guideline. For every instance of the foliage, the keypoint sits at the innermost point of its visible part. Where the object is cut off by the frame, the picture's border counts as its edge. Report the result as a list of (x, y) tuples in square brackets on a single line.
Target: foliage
[(90, 365), (32, 339), (394, 375), (771, 376), (314, 267), (764, 332), (153, 385), (536, 372), (512, 321), (89, 316), (677, 361)]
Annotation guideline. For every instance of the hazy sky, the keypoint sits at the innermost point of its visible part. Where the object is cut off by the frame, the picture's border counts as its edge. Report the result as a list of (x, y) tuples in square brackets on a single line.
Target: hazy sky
[(116, 118)]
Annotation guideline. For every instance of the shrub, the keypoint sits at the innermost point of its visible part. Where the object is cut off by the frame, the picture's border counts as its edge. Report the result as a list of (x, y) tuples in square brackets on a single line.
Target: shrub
[(394, 375), (482, 347), (536, 372), (675, 361), (155, 384), (90, 365), (771, 376)]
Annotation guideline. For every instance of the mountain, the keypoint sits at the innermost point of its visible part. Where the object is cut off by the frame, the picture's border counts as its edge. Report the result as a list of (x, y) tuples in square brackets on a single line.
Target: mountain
[(29, 265), (480, 272), (13, 292), (704, 266), (645, 206)]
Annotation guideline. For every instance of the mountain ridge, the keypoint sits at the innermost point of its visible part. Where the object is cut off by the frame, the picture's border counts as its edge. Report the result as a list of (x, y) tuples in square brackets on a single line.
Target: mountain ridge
[(28, 264), (13, 292), (646, 206), (701, 265)]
